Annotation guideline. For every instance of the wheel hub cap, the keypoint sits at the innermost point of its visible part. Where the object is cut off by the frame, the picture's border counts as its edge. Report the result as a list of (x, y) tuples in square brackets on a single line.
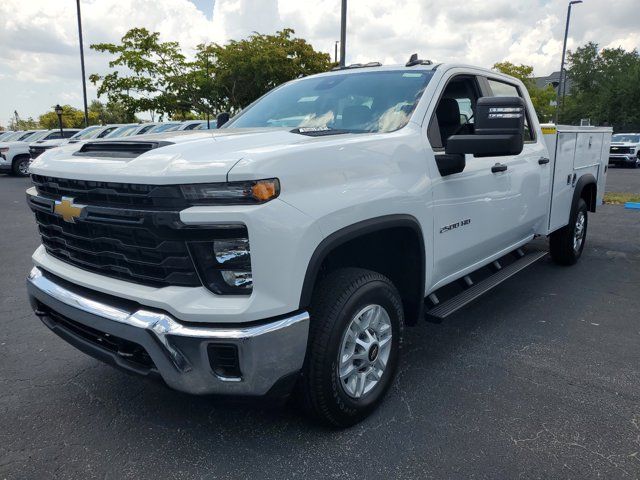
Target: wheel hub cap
[(364, 351)]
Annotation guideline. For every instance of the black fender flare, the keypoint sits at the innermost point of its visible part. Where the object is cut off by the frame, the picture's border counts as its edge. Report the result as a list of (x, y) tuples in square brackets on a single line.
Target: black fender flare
[(339, 237), (583, 181)]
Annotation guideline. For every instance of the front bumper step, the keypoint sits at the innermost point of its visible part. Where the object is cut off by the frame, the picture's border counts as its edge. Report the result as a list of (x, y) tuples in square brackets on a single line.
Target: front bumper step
[(150, 342)]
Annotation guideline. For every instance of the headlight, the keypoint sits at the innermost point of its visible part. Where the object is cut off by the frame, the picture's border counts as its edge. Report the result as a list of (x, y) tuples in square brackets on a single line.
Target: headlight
[(232, 193), (4, 150), (224, 264)]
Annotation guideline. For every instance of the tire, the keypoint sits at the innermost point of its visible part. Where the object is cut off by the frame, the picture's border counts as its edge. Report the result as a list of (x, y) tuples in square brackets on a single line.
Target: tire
[(342, 305), (20, 166), (566, 244)]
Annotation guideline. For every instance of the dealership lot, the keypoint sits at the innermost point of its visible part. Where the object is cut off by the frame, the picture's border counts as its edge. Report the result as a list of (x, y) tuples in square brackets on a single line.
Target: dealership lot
[(538, 379)]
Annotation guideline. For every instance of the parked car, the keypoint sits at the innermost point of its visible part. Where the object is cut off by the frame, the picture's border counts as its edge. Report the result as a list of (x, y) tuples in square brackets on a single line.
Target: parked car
[(255, 258), (14, 152), (625, 150), (85, 133), (99, 132), (164, 127), (53, 140), (123, 131)]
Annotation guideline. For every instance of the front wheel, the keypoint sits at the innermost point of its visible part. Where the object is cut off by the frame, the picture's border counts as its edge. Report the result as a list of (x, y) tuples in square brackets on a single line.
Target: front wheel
[(354, 346), (567, 243), (20, 166)]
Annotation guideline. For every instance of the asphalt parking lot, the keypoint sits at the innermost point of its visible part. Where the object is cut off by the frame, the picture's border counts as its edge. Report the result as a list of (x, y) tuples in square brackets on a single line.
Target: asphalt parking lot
[(538, 379)]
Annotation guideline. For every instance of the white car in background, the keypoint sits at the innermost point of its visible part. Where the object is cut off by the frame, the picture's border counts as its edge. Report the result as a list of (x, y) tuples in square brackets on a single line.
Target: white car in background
[(133, 130), (54, 140), (625, 150), (99, 132), (123, 131), (5, 134), (14, 152), (164, 127)]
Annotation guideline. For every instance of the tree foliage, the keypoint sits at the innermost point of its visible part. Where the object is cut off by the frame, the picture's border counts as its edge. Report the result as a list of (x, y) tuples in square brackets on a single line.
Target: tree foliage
[(605, 87), (71, 118), (111, 112), (540, 97), (247, 69), (155, 76), (22, 124), (153, 73)]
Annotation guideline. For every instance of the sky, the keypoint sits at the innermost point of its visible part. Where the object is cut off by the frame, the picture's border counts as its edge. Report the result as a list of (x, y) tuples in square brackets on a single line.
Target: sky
[(40, 66)]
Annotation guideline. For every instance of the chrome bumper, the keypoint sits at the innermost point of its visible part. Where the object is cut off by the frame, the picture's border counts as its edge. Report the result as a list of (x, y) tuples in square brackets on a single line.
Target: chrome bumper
[(266, 353)]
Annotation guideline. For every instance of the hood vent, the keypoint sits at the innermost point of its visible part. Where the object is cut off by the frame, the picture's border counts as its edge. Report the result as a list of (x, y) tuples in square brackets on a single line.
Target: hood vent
[(121, 149)]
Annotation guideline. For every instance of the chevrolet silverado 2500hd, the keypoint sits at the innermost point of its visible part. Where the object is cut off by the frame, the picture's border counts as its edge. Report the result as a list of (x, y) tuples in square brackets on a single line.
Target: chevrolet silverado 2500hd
[(289, 249), (625, 150)]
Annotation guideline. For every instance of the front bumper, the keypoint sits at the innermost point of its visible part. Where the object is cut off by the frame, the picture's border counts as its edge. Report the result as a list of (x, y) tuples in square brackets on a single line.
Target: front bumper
[(5, 165), (626, 159), (148, 342)]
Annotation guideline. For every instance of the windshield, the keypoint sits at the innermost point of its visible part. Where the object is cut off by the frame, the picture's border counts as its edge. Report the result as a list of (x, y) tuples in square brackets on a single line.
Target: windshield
[(164, 127), (35, 136), (85, 133), (24, 136), (353, 102), (124, 131), (626, 138), (194, 125), (12, 136)]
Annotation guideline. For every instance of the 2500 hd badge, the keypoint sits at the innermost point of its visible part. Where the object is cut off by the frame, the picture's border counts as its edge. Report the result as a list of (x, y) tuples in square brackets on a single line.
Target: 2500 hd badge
[(453, 226)]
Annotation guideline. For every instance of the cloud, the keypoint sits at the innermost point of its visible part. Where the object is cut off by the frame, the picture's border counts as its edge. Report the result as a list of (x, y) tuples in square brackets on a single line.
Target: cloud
[(39, 38)]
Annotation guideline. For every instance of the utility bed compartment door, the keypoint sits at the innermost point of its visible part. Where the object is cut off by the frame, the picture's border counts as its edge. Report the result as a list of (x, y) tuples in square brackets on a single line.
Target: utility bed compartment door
[(562, 191)]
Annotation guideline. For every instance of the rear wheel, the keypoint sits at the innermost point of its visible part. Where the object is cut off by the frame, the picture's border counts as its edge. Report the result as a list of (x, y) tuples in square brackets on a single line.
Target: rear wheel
[(354, 346), (567, 243), (20, 166)]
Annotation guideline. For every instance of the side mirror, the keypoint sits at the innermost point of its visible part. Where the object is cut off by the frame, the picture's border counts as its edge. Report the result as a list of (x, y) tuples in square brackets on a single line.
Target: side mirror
[(499, 129), (222, 119)]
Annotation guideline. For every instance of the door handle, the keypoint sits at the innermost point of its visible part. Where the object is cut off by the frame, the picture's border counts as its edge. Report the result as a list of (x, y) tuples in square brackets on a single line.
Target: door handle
[(543, 161), (498, 167)]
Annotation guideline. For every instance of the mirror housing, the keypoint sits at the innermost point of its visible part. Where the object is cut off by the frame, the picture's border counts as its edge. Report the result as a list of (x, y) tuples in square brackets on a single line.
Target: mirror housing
[(499, 129), (221, 119)]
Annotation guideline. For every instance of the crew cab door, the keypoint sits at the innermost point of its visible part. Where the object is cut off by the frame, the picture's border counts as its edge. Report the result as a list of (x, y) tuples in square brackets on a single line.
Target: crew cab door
[(479, 211), (530, 171)]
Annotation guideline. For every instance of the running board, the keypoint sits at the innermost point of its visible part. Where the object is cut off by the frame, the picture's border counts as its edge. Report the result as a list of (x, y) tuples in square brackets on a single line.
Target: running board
[(444, 309)]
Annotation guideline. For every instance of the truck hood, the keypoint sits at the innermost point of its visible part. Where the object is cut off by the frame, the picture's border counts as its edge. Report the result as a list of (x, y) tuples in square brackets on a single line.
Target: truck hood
[(49, 143), (13, 145), (182, 157)]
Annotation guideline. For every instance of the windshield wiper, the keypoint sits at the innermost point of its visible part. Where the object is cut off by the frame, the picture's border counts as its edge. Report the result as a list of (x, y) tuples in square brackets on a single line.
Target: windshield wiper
[(318, 131)]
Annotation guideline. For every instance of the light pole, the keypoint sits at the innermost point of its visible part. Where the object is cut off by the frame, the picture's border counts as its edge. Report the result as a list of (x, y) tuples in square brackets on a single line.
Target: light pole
[(84, 81), (343, 32), (335, 54), (58, 110), (562, 81)]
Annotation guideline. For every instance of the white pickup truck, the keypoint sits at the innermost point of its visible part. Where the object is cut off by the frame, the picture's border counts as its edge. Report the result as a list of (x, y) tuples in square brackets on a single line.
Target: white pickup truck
[(288, 250)]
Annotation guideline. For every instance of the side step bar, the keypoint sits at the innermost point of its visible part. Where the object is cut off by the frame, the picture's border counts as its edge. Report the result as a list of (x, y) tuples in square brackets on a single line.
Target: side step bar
[(444, 309)]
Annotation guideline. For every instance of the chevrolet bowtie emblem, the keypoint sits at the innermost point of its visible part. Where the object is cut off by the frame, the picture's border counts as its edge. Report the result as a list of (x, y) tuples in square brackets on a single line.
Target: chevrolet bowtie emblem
[(67, 209)]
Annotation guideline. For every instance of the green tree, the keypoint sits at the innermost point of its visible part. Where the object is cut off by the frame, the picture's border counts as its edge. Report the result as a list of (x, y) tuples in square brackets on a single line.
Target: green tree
[(71, 118), (21, 124), (111, 112), (158, 77), (540, 97), (154, 75), (247, 69), (605, 87)]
